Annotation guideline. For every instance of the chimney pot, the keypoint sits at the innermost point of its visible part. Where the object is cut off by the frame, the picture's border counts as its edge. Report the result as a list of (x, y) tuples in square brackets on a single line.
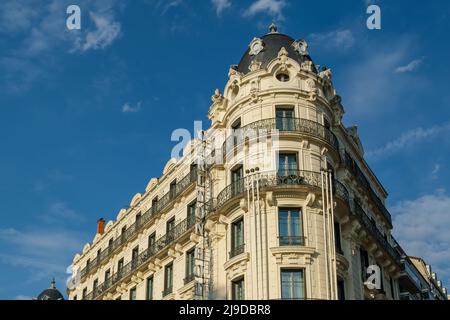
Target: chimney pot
[(101, 226)]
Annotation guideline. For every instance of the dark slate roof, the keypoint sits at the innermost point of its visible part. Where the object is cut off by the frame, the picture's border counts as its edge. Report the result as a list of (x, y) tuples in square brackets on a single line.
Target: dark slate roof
[(273, 42), (51, 293)]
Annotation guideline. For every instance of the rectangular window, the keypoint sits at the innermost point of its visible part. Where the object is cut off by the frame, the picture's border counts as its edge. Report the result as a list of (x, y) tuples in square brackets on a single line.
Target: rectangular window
[(285, 118), (191, 209), (287, 164), (337, 237), (149, 288), (84, 294), (120, 266), (107, 275), (290, 227), (133, 293), (237, 238), (292, 284), (238, 289), (95, 285), (237, 180), (152, 243), (155, 204), (170, 227), (190, 266), (168, 279), (135, 256), (75, 298), (173, 189), (110, 244), (236, 132), (138, 219)]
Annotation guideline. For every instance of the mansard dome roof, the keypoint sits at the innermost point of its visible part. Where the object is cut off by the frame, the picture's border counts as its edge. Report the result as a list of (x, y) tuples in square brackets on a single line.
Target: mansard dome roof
[(272, 42), (51, 293)]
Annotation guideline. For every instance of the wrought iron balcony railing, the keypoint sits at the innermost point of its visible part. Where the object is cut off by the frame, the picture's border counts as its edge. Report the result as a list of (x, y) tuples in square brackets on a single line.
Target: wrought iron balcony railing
[(136, 227), (240, 249), (362, 180), (375, 232), (167, 291), (189, 278), (282, 125), (163, 242), (292, 240), (270, 179)]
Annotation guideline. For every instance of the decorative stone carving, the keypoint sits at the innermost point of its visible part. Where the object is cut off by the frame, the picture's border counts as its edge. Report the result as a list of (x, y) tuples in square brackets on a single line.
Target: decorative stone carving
[(283, 59), (254, 65), (256, 46), (217, 97), (301, 47), (312, 89), (307, 66)]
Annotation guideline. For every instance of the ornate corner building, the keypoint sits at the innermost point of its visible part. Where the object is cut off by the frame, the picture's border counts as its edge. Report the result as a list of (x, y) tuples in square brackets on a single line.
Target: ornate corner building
[(273, 201)]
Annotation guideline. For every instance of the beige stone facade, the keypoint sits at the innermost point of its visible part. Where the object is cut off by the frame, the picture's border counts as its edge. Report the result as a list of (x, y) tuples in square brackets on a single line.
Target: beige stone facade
[(290, 212)]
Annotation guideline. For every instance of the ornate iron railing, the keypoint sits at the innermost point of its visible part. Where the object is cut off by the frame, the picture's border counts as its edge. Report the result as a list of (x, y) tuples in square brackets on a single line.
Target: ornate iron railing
[(237, 250), (271, 179), (162, 203), (291, 241), (362, 180), (173, 235), (375, 232), (282, 125)]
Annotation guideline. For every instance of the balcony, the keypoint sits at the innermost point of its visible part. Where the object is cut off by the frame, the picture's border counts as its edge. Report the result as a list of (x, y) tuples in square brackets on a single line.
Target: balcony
[(282, 125), (270, 179), (167, 291), (240, 249), (189, 278), (142, 259), (351, 166), (410, 279), (375, 232), (143, 222)]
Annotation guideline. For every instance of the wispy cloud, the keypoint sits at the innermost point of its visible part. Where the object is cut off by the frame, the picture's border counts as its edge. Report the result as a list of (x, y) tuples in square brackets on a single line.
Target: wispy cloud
[(421, 226), (221, 5), (413, 65), (369, 86), (338, 39), (41, 38), (273, 8), (406, 139), (436, 169), (59, 212), (106, 31), (128, 108)]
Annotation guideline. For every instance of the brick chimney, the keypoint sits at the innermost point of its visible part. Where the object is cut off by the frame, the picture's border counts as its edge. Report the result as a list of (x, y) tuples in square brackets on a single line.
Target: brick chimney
[(101, 226)]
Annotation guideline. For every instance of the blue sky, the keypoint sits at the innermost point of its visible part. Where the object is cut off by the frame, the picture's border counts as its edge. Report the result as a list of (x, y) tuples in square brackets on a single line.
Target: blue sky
[(86, 116)]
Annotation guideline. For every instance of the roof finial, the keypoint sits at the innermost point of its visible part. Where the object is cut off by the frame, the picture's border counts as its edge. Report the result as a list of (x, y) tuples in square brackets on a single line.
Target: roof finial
[(273, 28), (53, 284)]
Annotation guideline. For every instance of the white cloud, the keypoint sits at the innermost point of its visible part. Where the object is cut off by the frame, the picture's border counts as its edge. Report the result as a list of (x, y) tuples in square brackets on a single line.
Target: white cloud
[(436, 169), (106, 31), (271, 7), (221, 5), (338, 39), (128, 108), (369, 86), (407, 139), (43, 253), (422, 227), (22, 297), (413, 65)]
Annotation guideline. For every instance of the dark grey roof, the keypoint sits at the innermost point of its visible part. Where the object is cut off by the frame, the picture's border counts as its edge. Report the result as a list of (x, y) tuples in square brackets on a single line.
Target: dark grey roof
[(273, 42), (51, 293)]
